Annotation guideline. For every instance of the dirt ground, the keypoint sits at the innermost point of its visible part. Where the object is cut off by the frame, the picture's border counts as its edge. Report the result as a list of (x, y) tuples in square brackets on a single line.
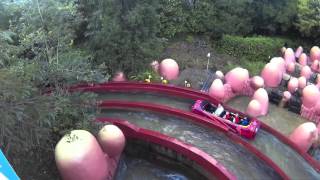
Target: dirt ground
[(194, 55), (192, 60)]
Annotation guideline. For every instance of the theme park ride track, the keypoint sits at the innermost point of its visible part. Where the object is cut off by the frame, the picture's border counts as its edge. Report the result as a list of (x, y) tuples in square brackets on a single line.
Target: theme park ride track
[(194, 118), (185, 93), (207, 163)]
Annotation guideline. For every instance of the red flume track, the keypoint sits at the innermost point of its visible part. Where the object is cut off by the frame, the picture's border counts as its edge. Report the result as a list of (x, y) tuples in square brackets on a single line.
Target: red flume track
[(185, 93), (195, 118), (207, 162)]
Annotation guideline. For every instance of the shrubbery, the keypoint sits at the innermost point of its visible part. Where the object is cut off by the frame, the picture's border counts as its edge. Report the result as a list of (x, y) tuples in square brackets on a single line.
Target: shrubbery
[(257, 48), (252, 52)]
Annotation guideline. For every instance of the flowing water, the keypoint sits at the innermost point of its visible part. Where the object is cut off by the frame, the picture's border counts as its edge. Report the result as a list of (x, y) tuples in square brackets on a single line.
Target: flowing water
[(131, 168), (278, 118), (281, 119), (284, 121), (176, 102), (233, 156)]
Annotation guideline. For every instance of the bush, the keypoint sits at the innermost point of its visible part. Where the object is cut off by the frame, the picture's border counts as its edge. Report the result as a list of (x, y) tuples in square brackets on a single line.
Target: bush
[(252, 49)]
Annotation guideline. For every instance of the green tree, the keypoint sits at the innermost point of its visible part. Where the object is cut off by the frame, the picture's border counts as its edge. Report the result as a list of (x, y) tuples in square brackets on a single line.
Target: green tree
[(308, 21), (273, 16), (127, 37)]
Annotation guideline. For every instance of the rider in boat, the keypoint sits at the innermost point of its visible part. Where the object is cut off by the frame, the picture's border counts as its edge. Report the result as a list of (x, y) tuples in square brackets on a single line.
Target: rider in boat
[(245, 121), (219, 110)]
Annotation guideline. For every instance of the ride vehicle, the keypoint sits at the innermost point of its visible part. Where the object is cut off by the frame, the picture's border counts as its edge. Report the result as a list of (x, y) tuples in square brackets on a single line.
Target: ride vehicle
[(243, 125)]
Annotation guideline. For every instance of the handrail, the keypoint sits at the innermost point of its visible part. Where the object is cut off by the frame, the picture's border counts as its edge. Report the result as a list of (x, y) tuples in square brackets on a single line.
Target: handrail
[(195, 118), (201, 158)]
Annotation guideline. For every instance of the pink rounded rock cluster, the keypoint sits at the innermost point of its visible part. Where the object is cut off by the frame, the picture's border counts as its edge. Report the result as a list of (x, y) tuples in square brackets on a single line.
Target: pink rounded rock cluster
[(273, 73), (238, 82), (80, 156)]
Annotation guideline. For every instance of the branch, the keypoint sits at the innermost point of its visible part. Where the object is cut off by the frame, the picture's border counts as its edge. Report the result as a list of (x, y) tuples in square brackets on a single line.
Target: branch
[(45, 29)]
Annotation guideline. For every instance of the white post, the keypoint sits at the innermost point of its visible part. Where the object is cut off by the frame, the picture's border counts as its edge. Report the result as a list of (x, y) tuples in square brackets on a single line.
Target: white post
[(208, 56)]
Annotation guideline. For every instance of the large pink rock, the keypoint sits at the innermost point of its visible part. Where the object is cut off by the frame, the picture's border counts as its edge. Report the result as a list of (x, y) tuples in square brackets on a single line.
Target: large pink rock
[(283, 50), (306, 72), (217, 89), (220, 75), (271, 74), (289, 56), (290, 67), (155, 66), (261, 95), (79, 157), (111, 140), (310, 96), (236, 78), (293, 85), (285, 98), (169, 69), (254, 108), (298, 52), (315, 65), (315, 53), (286, 95), (303, 59), (302, 82), (280, 62), (119, 77), (304, 135), (257, 82)]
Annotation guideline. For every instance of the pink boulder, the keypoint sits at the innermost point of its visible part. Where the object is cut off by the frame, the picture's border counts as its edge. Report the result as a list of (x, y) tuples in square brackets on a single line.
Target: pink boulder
[(298, 52), (280, 62), (306, 72), (271, 74), (303, 59), (283, 50), (169, 69), (261, 95), (285, 98), (119, 77), (293, 85), (155, 66), (290, 67), (304, 135), (289, 56), (310, 95), (315, 65), (302, 82), (257, 82), (79, 157), (219, 74), (286, 95), (254, 108), (111, 140), (217, 89), (315, 53), (236, 78)]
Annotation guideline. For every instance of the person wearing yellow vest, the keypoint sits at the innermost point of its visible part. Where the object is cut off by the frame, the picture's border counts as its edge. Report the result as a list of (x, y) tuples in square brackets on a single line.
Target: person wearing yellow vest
[(163, 81), (148, 80)]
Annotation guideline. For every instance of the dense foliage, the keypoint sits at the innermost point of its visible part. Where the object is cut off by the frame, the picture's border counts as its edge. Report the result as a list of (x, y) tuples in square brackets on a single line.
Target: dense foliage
[(123, 34), (252, 52), (308, 22)]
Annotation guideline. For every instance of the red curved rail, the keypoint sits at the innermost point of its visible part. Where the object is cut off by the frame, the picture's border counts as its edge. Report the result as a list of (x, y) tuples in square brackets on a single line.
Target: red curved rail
[(197, 119), (201, 158), (185, 93)]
